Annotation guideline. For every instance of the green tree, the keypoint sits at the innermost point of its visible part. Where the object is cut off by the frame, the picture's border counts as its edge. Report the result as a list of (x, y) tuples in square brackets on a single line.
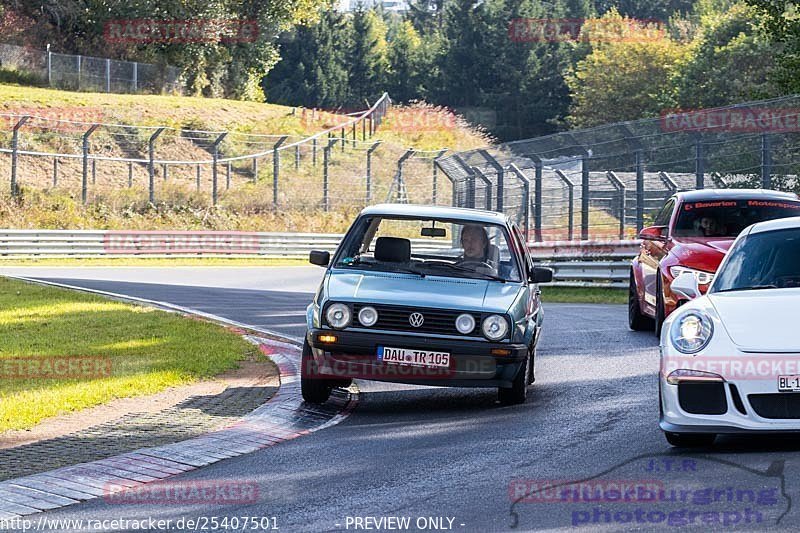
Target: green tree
[(624, 77), (406, 80), (729, 61), (367, 56), (782, 26)]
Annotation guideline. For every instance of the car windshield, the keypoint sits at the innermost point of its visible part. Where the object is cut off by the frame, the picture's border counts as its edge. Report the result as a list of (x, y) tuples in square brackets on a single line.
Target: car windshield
[(430, 247), (727, 218), (762, 260)]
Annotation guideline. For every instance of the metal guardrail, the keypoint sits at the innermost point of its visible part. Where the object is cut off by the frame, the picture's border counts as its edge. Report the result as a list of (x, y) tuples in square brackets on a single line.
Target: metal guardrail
[(582, 263)]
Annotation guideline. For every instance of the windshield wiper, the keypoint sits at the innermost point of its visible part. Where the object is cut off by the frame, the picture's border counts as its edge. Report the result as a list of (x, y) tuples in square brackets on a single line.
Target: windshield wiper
[(469, 270), (358, 262), (752, 288)]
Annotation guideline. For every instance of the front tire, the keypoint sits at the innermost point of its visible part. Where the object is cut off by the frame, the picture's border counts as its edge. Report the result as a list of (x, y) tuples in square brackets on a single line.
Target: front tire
[(690, 440), (637, 321), (518, 392), (313, 388)]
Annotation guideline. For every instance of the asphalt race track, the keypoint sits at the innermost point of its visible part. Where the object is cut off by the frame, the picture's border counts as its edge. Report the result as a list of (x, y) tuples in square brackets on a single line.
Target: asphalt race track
[(455, 458)]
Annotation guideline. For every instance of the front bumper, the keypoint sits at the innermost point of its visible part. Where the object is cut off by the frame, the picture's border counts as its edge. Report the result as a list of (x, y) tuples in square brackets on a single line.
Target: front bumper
[(354, 355)]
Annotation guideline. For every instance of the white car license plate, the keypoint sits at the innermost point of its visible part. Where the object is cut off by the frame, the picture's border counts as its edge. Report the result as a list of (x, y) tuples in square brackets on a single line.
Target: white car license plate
[(789, 383), (406, 356)]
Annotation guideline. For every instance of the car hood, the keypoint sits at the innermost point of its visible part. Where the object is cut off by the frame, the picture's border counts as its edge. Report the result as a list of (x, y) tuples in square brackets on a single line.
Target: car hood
[(703, 253), (431, 291), (762, 320)]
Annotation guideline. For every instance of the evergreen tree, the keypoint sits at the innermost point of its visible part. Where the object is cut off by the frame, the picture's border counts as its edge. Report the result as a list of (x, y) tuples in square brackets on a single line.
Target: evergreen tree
[(366, 58)]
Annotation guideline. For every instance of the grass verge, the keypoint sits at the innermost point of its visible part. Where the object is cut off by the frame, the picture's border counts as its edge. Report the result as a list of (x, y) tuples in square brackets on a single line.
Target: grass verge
[(584, 295), (147, 350)]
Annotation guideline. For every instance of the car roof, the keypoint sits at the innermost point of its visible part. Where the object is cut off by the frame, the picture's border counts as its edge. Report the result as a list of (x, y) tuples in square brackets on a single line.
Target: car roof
[(734, 194), (776, 224), (432, 211)]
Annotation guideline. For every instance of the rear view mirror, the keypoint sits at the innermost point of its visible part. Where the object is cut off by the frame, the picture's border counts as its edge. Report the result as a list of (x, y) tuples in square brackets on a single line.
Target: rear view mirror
[(319, 257), (653, 233), (686, 286), (434, 232), (541, 275)]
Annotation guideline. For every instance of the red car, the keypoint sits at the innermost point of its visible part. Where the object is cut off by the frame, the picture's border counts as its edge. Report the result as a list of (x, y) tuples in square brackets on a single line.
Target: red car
[(692, 233)]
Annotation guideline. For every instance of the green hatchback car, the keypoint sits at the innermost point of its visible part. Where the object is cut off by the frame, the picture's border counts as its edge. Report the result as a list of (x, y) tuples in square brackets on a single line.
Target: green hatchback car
[(425, 295)]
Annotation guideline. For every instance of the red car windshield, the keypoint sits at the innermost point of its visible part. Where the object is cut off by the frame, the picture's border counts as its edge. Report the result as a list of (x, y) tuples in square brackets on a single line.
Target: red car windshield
[(727, 218)]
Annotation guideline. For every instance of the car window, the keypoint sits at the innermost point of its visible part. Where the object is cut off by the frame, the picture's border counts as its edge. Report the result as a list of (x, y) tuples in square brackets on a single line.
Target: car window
[(769, 259), (523, 248), (727, 218), (431, 247), (664, 216)]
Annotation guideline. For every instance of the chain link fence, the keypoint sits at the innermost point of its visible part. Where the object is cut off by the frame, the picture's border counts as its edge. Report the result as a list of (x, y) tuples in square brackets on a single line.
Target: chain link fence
[(606, 182), (85, 73)]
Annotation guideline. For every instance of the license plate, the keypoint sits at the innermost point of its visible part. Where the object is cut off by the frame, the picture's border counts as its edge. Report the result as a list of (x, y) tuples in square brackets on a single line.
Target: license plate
[(789, 383), (406, 356)]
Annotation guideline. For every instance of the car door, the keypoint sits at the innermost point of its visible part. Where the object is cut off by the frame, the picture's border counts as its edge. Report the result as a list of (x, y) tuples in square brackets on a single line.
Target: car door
[(652, 252), (532, 292)]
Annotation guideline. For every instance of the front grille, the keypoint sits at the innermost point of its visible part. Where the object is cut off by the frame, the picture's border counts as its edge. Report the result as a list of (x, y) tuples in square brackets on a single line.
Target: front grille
[(437, 321), (703, 398), (783, 405)]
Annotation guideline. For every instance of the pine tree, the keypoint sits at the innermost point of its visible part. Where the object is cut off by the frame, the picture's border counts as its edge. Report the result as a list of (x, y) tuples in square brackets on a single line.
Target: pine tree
[(366, 58)]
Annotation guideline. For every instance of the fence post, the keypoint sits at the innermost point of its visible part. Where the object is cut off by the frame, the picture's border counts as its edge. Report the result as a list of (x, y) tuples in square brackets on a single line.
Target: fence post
[(215, 157), (276, 168), (344, 137), (571, 200), (314, 151), (620, 187), (108, 75), (639, 192), (354, 134), (369, 170), (49, 66), (55, 172), (14, 148), (151, 167), (255, 170), (197, 177), (402, 192), (699, 162), (766, 162), (164, 171), (228, 176), (94, 171), (130, 174), (371, 127), (498, 168), (488, 185), (435, 177), (363, 130), (526, 195), (85, 174), (538, 169), (584, 197), (79, 72), (135, 76), (326, 156), (297, 157)]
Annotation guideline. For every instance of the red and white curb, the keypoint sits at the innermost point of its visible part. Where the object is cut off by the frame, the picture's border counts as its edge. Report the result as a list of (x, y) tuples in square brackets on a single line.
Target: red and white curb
[(284, 417)]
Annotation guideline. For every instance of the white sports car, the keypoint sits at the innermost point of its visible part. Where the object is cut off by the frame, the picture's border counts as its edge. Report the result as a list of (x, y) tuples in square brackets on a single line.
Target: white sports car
[(730, 360)]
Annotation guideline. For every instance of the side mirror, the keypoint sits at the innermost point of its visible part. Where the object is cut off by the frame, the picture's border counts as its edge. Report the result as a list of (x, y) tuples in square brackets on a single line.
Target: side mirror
[(319, 257), (653, 233), (541, 275), (686, 286)]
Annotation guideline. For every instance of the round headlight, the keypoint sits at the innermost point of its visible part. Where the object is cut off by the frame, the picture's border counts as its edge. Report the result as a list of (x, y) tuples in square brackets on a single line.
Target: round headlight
[(338, 316), (691, 332), (368, 316), (465, 323), (494, 327)]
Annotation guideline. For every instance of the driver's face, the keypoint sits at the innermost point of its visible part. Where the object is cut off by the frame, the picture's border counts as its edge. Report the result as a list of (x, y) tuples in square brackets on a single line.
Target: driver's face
[(472, 242)]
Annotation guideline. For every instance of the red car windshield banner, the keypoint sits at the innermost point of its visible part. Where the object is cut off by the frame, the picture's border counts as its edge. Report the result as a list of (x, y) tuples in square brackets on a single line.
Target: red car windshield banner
[(690, 206)]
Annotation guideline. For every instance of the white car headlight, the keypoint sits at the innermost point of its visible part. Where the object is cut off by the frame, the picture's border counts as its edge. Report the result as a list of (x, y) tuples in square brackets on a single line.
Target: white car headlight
[(703, 278), (691, 332), (368, 316), (465, 323), (338, 316), (494, 327)]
